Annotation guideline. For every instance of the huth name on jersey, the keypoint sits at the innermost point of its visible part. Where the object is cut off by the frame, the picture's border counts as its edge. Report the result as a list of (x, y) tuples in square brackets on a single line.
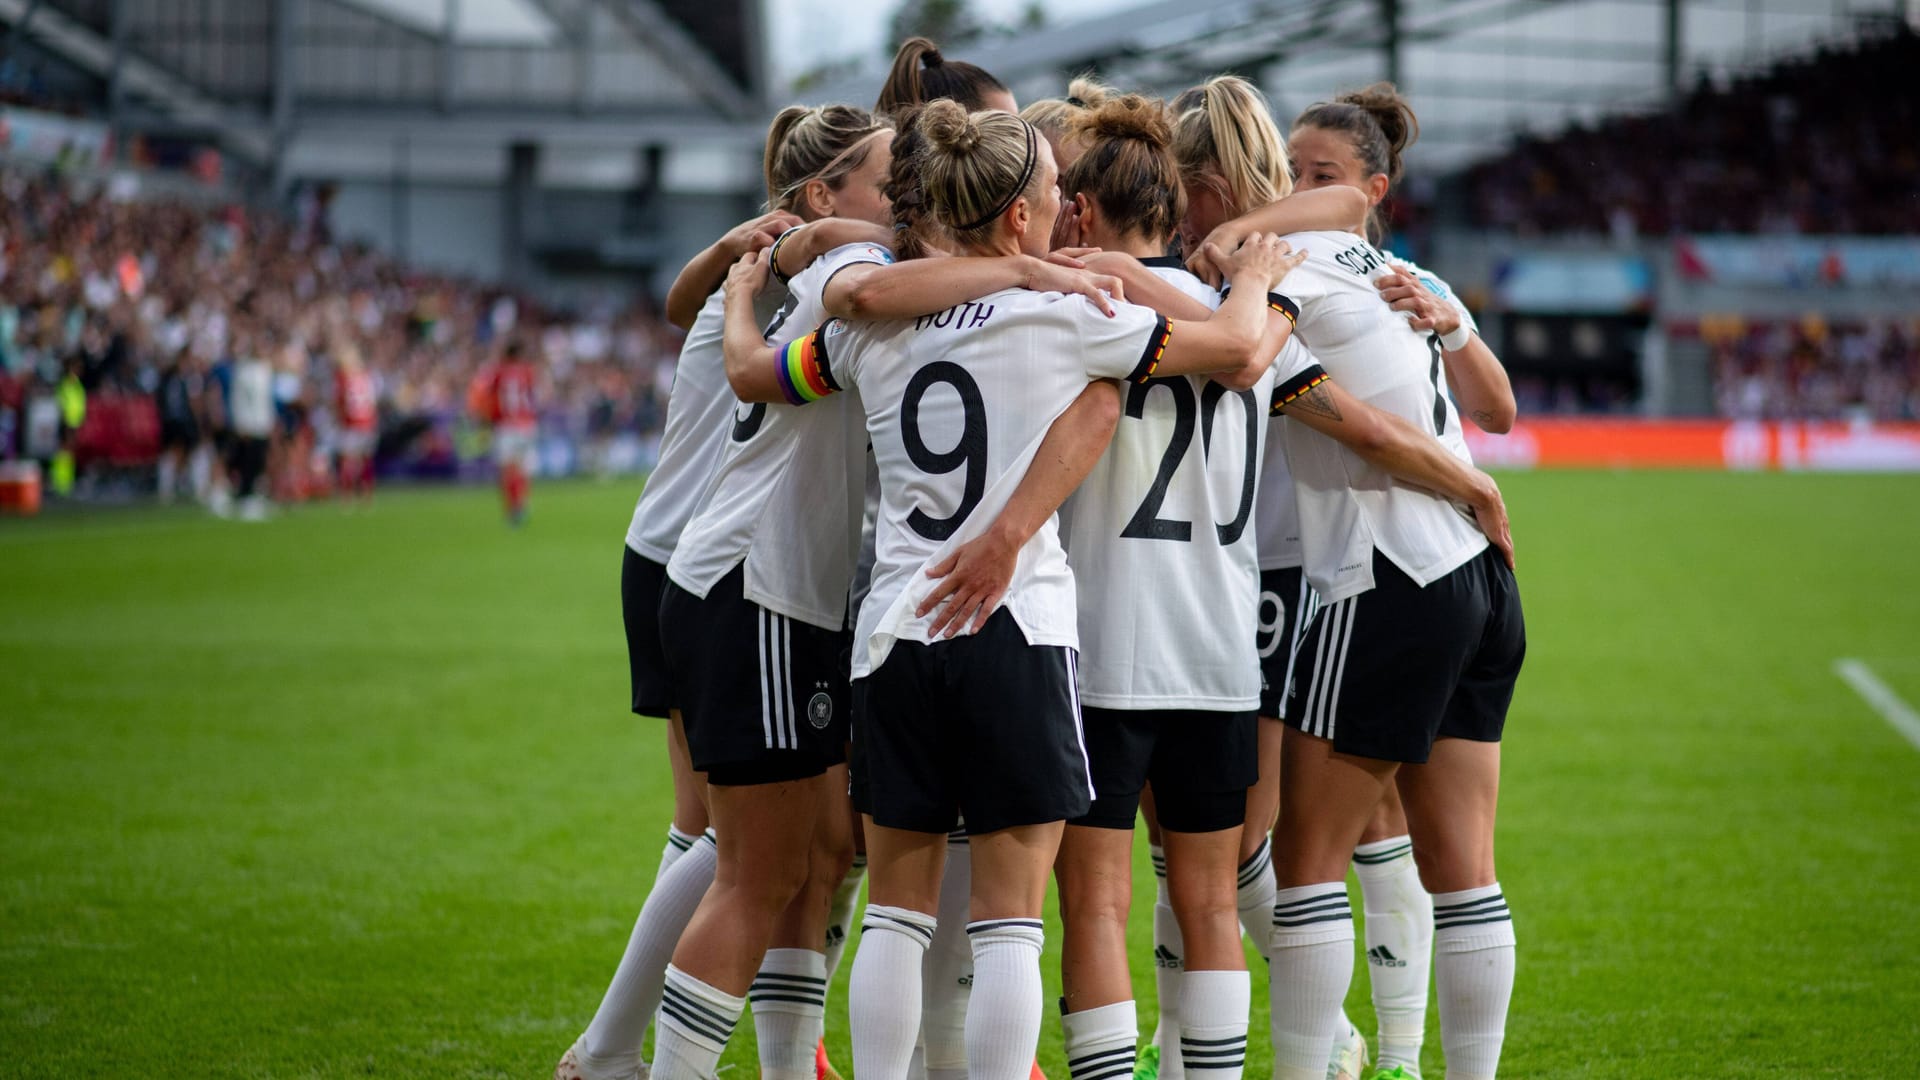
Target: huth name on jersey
[(964, 317)]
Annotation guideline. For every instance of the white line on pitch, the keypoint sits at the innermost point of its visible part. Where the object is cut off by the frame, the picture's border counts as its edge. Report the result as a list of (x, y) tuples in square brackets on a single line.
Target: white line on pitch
[(1884, 701)]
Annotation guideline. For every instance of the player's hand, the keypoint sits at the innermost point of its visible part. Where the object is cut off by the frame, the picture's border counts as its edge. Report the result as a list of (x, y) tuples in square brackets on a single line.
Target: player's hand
[(1066, 226), (1103, 289), (973, 580), (1264, 258), (1210, 266), (1072, 256), (759, 233), (748, 276), (1490, 513), (1403, 292)]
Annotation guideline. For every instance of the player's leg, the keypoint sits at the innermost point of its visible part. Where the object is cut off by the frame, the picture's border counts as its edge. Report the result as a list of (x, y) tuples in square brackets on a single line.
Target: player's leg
[(904, 867), (764, 828), (948, 978), (1095, 874), (1094, 870), (1399, 933), (1011, 868), (1326, 798), (1161, 1058), (1202, 767), (1451, 802), (789, 993), (1254, 871), (847, 893)]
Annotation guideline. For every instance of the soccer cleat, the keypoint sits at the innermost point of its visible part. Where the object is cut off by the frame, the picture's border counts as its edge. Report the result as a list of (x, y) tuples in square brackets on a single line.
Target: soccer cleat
[(1035, 1073), (1349, 1057), (572, 1067), (1398, 1072), (1148, 1067), (822, 1068)]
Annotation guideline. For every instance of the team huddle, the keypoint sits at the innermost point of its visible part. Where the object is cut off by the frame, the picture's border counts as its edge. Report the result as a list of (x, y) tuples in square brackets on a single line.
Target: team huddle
[(984, 524)]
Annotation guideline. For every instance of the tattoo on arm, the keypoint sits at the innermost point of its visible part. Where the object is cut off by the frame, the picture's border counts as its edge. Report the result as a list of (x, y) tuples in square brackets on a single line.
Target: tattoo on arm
[(1318, 401)]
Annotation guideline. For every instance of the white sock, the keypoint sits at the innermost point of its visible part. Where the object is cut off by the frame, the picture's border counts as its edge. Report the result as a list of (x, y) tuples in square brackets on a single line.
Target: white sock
[(169, 478), (1399, 946), (1256, 897), (1213, 1023), (840, 913), (1473, 972), (696, 1020), (1100, 1042), (678, 844), (1003, 1018), (789, 997), (883, 1000), (620, 1024), (1169, 960), (1307, 979), (949, 969)]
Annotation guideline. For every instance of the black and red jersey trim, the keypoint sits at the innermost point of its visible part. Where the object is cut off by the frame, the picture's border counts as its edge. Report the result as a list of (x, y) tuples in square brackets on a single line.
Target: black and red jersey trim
[(1289, 392), (1156, 348)]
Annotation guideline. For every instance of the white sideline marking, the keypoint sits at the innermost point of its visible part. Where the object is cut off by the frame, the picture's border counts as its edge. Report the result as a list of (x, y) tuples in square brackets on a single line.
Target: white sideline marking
[(1884, 701)]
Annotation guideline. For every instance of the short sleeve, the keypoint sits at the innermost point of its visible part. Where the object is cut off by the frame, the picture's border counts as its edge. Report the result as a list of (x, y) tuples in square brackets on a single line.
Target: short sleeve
[(1127, 346), (804, 366), (808, 290), (1296, 371)]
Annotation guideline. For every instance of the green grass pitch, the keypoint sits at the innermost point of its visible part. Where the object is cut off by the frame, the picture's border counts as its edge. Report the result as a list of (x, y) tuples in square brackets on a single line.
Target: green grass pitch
[(357, 795)]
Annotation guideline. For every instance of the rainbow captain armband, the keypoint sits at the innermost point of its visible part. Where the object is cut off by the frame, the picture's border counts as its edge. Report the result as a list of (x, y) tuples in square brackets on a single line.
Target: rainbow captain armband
[(802, 369), (1295, 388)]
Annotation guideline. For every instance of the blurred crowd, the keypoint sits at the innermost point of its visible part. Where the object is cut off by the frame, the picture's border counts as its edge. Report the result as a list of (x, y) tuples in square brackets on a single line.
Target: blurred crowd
[(1823, 144), (1810, 370), (122, 322)]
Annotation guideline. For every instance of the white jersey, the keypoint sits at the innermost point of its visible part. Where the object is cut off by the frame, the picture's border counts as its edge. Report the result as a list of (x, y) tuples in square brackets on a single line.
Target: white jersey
[(787, 495), (1161, 543), (1276, 511), (698, 414), (250, 401), (1348, 508), (956, 405)]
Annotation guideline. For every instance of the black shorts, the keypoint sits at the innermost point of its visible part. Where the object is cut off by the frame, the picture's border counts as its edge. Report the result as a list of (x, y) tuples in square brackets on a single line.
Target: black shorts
[(1385, 673), (1287, 603), (983, 725), (641, 580), (1200, 764), (764, 697), (179, 435)]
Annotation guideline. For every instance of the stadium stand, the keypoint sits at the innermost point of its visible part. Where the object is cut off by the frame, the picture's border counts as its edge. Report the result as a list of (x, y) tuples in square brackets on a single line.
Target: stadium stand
[(1821, 144)]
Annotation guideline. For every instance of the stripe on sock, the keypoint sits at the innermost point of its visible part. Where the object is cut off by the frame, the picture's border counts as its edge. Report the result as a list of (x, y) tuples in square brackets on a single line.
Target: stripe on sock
[(882, 920), (1489, 909), (1103, 1065), (1228, 1053), (695, 1017), (1003, 924), (1378, 857), (1329, 906)]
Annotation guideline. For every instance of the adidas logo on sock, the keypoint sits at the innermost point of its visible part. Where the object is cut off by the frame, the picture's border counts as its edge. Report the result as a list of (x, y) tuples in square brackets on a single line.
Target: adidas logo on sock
[(1166, 958), (1382, 956)]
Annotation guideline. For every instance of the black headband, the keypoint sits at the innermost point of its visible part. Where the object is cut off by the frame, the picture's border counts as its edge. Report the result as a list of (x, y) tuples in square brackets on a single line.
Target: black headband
[(1026, 175)]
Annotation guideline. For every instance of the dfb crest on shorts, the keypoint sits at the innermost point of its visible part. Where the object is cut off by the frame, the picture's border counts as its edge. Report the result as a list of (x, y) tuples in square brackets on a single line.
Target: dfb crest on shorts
[(820, 711)]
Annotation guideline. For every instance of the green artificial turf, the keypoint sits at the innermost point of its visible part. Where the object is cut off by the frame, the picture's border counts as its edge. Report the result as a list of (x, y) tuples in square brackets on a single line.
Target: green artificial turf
[(357, 794)]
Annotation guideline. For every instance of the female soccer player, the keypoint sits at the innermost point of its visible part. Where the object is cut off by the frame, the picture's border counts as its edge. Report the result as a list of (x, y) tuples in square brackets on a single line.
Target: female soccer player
[(813, 155), (1187, 720), (1404, 680), (1357, 141), (986, 723)]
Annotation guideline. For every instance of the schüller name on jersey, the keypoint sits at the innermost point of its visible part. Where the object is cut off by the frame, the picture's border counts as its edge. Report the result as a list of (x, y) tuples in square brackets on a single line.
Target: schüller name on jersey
[(966, 316)]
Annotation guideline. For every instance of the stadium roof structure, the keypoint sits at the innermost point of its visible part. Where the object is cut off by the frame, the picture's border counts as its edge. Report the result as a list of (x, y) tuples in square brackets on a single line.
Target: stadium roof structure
[(1478, 72), (436, 87)]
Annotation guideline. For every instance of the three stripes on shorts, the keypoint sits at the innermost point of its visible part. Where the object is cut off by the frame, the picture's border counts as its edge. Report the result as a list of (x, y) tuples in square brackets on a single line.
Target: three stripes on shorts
[(778, 716)]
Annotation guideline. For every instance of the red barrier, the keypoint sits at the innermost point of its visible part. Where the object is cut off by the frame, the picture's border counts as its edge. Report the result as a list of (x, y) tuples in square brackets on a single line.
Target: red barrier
[(1616, 443)]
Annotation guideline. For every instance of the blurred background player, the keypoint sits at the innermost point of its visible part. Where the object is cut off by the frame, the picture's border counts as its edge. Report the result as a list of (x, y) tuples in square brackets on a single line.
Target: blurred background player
[(357, 415), (506, 396)]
